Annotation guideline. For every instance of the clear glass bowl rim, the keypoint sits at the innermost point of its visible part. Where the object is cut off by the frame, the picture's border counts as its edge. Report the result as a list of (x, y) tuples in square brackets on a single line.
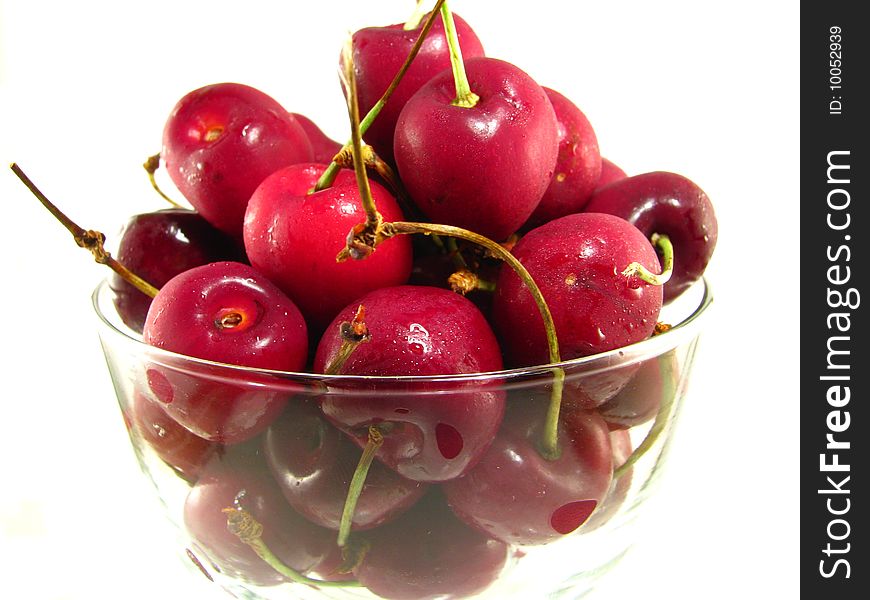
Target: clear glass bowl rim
[(678, 334)]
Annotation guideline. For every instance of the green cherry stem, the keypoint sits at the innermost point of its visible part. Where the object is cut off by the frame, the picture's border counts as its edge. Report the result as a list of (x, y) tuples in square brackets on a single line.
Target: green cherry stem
[(243, 525), (415, 18), (465, 98), (89, 239), (636, 269), (357, 482), (332, 170)]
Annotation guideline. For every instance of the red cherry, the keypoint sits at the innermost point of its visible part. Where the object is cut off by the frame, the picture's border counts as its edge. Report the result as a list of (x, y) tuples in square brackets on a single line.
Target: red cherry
[(224, 312), (667, 204), (221, 141), (313, 464), (418, 331), (429, 553), (323, 147), (157, 246), (516, 495), (241, 480), (293, 237), (378, 54), (639, 401), (609, 173), (620, 442), (483, 168), (578, 167), (179, 448), (577, 262)]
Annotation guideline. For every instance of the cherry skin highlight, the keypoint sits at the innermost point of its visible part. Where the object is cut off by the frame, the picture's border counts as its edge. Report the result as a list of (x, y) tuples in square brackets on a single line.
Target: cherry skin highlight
[(241, 480), (378, 54), (292, 237), (516, 495), (313, 463), (418, 331), (159, 245), (483, 168), (578, 167), (428, 553), (221, 141), (577, 262), (667, 204), (223, 312)]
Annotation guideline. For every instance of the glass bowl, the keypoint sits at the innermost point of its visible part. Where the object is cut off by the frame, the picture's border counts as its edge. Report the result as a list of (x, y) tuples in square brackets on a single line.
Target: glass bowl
[(514, 525)]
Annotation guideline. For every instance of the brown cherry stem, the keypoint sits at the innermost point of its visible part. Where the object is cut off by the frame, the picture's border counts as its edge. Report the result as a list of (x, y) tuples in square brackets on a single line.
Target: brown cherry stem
[(332, 170), (465, 280), (243, 525), (151, 165), (353, 333), (357, 482), (89, 239)]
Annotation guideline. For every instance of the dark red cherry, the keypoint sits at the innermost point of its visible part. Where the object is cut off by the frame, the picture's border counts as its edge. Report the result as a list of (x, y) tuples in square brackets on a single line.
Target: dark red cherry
[(578, 167), (668, 204), (221, 141), (176, 446), (293, 237), (620, 442), (639, 401), (609, 173), (378, 54), (324, 148), (577, 262), (516, 495), (245, 482), (313, 463), (224, 312), (483, 168), (428, 553), (432, 431), (159, 245)]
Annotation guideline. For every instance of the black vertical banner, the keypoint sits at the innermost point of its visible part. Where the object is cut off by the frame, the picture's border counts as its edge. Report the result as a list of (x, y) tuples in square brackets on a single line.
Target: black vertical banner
[(835, 266)]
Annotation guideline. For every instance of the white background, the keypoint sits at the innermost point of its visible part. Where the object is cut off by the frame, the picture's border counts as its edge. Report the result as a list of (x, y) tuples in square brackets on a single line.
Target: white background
[(709, 90)]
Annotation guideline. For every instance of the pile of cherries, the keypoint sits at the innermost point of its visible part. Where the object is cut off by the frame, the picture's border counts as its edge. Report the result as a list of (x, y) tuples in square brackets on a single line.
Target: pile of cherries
[(465, 147)]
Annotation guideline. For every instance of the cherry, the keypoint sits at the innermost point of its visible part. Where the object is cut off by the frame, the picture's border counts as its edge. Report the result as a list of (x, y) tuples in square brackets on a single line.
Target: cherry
[(620, 442), (159, 245), (313, 464), (432, 432), (293, 237), (378, 54), (176, 446), (224, 312), (323, 147), (639, 401), (482, 168), (577, 261), (242, 480), (428, 553), (221, 141), (578, 167), (668, 204), (609, 173), (516, 495)]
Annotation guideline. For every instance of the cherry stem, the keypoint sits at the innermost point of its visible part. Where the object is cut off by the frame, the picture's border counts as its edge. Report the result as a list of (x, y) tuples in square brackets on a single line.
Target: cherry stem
[(331, 171), (636, 269), (465, 280), (89, 239), (465, 98), (353, 333), (415, 18), (151, 165), (375, 441), (243, 525), (662, 416)]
